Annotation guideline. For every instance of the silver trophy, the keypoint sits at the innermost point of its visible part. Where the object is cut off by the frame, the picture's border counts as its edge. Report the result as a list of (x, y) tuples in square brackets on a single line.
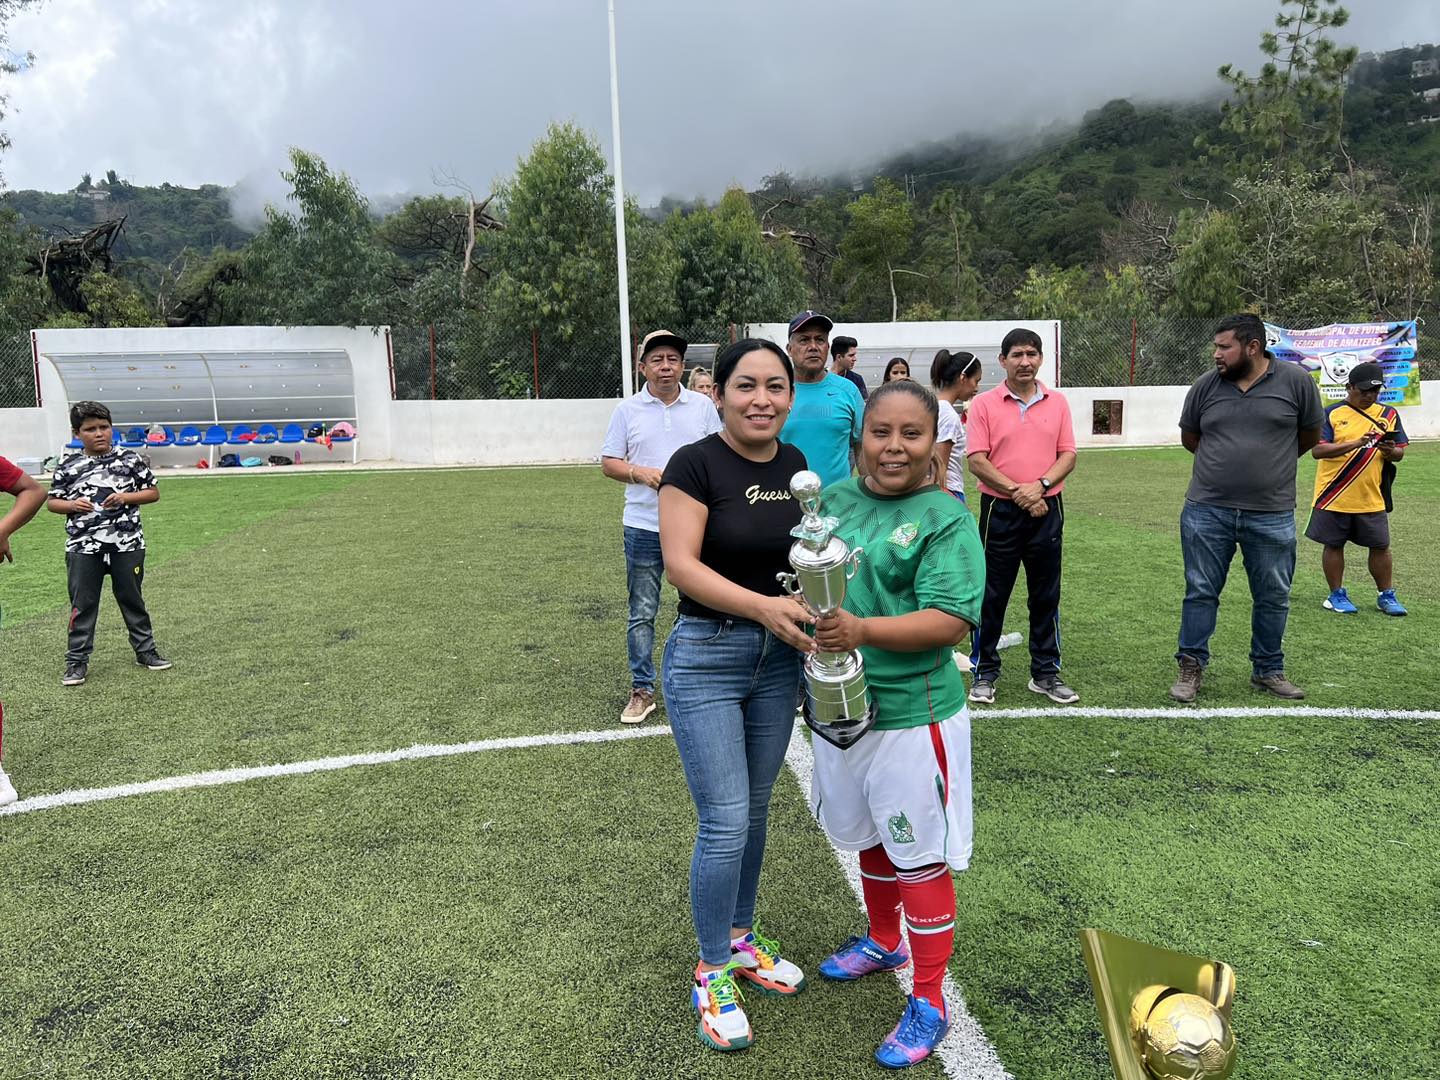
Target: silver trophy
[(837, 702)]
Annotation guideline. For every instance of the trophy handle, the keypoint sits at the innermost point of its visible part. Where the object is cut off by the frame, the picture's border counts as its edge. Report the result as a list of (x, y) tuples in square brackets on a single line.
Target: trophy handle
[(854, 562), (789, 582), (1221, 980)]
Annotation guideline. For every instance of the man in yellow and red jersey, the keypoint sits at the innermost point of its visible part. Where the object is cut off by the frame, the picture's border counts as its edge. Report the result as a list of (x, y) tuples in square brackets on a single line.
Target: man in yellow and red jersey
[(1358, 439)]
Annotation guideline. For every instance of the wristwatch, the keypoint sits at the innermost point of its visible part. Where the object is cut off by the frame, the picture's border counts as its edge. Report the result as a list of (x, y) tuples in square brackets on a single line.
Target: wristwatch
[(1045, 484)]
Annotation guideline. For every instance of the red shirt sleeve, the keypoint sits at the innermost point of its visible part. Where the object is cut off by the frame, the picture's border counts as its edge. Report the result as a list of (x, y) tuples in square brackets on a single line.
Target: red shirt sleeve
[(10, 476)]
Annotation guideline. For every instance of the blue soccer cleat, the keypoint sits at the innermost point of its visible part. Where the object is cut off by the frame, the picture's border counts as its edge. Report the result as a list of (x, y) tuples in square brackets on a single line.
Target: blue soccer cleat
[(915, 1037), (1339, 602), (1387, 603), (861, 956)]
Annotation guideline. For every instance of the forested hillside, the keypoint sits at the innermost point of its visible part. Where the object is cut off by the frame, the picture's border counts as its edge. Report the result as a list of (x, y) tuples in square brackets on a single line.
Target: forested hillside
[(1304, 190)]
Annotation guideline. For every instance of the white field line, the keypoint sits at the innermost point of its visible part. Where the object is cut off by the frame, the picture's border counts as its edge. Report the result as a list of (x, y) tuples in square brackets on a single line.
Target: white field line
[(1087, 713), (219, 777), (965, 1051)]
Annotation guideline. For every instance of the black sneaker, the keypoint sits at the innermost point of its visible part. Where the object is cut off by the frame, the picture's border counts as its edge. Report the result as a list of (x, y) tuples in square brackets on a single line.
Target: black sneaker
[(75, 672), (153, 660), (1053, 688), (983, 692)]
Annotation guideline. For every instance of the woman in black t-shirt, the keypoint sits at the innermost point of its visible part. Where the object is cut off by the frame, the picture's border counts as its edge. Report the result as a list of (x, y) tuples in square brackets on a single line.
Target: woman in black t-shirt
[(732, 667)]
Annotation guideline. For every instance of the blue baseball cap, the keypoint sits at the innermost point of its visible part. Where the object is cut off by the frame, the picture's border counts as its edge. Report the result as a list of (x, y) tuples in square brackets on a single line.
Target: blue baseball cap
[(806, 317)]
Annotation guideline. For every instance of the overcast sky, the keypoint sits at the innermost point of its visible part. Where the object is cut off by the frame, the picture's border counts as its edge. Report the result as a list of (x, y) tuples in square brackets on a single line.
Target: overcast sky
[(712, 91)]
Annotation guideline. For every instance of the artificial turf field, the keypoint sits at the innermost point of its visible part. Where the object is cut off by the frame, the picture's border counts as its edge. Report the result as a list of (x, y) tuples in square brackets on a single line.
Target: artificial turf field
[(522, 912)]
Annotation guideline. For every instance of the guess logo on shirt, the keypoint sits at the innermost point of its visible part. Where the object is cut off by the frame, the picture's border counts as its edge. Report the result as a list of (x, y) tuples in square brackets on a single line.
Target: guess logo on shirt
[(754, 493)]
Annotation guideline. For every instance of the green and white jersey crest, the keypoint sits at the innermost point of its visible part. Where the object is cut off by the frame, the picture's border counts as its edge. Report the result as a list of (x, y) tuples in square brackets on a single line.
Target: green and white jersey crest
[(904, 535)]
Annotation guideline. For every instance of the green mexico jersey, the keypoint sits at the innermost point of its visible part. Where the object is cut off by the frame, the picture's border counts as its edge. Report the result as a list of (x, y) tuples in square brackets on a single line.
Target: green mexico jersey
[(922, 550)]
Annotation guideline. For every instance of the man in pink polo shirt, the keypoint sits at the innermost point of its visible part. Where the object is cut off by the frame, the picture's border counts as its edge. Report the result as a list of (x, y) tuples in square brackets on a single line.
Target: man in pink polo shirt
[(1021, 446)]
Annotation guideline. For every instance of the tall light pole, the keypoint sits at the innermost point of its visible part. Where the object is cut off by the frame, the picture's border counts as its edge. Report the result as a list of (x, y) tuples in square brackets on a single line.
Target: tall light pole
[(627, 363)]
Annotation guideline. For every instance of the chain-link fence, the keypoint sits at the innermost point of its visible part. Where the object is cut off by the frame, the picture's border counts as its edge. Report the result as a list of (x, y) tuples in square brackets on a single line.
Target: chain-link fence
[(1152, 350), (450, 363), (17, 372)]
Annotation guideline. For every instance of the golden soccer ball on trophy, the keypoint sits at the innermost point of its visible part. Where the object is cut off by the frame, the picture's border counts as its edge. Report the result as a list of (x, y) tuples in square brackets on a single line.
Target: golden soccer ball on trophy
[(1181, 1036)]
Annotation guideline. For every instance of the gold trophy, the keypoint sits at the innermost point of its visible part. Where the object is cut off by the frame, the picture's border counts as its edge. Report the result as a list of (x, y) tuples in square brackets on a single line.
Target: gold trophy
[(1166, 1015)]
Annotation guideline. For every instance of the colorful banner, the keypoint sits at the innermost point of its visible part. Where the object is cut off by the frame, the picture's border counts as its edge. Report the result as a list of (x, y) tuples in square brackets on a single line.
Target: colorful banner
[(1329, 353)]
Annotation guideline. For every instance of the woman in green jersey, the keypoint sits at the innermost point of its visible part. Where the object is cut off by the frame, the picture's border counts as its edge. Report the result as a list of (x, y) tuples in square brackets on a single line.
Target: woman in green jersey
[(901, 795)]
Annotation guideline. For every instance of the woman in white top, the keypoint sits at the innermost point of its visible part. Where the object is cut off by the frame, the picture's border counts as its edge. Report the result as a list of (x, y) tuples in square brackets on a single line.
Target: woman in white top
[(956, 378)]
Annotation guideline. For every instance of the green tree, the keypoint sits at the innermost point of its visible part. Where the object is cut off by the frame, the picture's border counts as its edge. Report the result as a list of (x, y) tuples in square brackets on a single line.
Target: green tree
[(654, 271), (949, 249), (1205, 274), (1291, 110), (320, 264), (727, 272), (554, 268), (882, 228)]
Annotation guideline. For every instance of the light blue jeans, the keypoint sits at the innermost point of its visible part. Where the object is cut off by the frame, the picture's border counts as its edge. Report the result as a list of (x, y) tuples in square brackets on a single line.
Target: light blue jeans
[(730, 694), (643, 570), (1209, 536)]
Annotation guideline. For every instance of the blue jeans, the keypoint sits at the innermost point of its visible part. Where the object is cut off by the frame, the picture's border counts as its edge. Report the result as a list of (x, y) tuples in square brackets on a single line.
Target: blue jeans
[(643, 570), (730, 694), (1209, 536)]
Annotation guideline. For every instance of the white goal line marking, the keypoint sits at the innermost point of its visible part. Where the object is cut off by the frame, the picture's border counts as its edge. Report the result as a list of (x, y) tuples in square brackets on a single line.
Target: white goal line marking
[(220, 777), (965, 1051)]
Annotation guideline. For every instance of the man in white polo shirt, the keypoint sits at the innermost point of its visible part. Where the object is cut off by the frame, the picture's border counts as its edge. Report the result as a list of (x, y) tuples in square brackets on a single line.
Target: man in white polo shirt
[(645, 430)]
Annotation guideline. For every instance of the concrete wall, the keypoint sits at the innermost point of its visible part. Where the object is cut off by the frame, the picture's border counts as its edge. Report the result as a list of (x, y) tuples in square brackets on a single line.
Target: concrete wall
[(499, 432), (918, 342), (1151, 414), (527, 432)]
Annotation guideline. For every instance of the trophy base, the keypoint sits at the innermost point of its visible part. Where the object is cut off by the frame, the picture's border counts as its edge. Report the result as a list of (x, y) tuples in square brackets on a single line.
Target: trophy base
[(842, 733)]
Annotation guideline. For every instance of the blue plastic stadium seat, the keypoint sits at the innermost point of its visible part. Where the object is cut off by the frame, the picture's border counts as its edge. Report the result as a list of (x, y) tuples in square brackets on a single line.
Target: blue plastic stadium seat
[(214, 436), (74, 444), (169, 439), (267, 433), (133, 438), (236, 432), (292, 433), (189, 435)]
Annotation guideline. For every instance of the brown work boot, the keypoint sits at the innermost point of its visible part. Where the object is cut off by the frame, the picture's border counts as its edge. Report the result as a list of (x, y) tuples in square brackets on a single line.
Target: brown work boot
[(640, 705), (1276, 683), (1188, 684)]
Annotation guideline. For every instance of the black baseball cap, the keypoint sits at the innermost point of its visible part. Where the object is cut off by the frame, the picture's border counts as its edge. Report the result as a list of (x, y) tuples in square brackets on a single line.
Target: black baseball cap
[(1366, 376), (806, 317)]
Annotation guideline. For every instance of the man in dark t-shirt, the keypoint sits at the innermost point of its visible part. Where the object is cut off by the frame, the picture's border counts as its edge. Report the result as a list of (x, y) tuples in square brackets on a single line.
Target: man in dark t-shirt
[(844, 351), (1246, 422)]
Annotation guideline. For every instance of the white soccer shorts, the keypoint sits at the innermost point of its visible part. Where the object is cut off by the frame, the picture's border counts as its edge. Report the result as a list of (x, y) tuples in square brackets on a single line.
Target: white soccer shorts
[(908, 789)]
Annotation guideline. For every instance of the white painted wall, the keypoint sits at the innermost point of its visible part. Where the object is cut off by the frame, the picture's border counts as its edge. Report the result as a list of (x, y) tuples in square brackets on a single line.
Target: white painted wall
[(918, 342), (548, 431), (1152, 414), (545, 432)]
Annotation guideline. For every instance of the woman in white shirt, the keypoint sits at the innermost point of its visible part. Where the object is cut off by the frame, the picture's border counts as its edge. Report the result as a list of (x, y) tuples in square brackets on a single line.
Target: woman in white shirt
[(956, 378)]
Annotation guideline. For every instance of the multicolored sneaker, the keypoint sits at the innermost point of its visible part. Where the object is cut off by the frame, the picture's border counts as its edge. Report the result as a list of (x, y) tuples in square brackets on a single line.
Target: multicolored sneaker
[(861, 956), (757, 959), (723, 1023), (1387, 603), (916, 1035)]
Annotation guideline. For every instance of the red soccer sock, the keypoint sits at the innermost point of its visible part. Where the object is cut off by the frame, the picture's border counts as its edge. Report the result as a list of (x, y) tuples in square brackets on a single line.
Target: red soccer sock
[(928, 893), (882, 897)]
